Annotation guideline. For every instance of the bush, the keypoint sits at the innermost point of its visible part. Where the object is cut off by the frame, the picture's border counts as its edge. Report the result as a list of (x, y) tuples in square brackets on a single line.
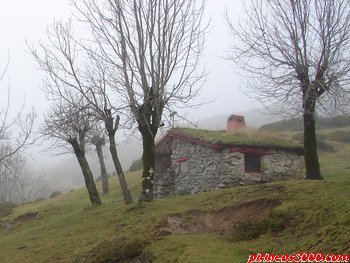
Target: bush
[(299, 137), (296, 124), (6, 209), (121, 250), (99, 179), (136, 165), (340, 136), (55, 193), (275, 222), (321, 143), (324, 146), (333, 122)]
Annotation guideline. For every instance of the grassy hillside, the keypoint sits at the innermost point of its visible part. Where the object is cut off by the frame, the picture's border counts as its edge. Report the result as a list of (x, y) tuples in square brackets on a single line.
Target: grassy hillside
[(333, 151), (296, 124), (220, 226)]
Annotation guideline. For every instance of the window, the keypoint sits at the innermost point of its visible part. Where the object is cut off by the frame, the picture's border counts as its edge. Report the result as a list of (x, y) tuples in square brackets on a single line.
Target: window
[(182, 165), (252, 163)]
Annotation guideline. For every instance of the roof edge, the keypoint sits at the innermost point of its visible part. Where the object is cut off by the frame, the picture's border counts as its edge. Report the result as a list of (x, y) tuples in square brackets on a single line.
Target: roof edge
[(219, 146)]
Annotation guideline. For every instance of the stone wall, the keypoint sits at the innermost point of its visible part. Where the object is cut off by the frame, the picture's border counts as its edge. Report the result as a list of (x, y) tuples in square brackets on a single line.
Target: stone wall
[(164, 183), (281, 165), (208, 169)]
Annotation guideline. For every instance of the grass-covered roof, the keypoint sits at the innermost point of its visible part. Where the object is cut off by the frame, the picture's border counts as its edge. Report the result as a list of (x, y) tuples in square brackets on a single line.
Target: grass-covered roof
[(243, 137)]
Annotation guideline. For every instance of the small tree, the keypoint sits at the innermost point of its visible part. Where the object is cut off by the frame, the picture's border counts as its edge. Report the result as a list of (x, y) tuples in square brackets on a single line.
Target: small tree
[(296, 54), (69, 123), (12, 174), (98, 140)]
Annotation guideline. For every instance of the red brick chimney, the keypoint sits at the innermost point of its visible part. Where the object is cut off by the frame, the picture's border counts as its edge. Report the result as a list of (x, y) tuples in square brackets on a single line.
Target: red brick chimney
[(235, 122)]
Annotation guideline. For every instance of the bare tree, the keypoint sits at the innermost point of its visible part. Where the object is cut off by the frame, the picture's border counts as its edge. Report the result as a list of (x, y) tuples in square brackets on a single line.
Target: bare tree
[(98, 140), (152, 50), (28, 188), (12, 171), (296, 54), (70, 123), (16, 133), (70, 68)]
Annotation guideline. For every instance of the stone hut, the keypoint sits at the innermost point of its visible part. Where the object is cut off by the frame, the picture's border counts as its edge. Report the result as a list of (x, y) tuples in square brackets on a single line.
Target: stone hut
[(194, 160)]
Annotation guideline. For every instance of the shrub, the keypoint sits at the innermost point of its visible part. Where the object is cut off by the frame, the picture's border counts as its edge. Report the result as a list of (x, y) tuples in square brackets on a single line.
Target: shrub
[(296, 124), (99, 179), (6, 209), (136, 165), (324, 146), (275, 222), (299, 137), (333, 122), (340, 136), (321, 143), (55, 193), (121, 250)]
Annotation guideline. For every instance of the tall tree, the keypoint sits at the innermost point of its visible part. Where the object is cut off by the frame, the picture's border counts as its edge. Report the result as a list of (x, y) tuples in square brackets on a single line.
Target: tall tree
[(296, 54), (152, 50)]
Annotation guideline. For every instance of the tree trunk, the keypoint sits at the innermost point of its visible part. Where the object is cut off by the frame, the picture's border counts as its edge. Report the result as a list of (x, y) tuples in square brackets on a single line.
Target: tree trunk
[(104, 177), (310, 146), (88, 177), (119, 169), (148, 158)]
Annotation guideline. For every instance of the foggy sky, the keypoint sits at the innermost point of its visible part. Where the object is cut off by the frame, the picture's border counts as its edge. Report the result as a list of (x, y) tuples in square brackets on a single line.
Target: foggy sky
[(24, 20)]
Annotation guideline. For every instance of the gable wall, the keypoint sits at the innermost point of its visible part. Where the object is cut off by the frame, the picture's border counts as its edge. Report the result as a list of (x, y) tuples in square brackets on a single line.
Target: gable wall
[(207, 168)]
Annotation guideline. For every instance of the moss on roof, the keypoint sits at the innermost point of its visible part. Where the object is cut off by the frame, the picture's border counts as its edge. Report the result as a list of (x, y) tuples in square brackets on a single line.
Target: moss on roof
[(242, 137)]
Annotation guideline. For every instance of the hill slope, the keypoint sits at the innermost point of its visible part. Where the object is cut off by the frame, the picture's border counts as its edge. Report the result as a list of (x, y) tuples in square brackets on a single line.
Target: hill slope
[(220, 226), (295, 124)]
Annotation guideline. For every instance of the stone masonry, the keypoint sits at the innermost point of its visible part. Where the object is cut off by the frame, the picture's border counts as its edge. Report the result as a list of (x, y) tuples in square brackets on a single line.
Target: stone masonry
[(205, 169)]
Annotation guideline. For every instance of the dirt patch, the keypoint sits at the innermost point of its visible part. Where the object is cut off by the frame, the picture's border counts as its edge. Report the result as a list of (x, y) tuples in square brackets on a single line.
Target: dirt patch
[(21, 220), (222, 221)]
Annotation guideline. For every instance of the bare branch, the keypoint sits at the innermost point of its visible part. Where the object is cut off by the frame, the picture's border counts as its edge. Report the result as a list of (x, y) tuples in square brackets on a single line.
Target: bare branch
[(296, 54)]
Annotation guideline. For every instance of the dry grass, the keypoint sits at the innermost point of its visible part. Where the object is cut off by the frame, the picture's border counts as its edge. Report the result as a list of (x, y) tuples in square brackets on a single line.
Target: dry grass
[(246, 136)]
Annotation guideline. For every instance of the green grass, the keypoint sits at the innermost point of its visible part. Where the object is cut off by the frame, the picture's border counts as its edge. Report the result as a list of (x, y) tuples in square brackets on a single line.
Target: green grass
[(335, 164), (6, 208), (240, 137), (312, 216), (201, 248), (296, 124)]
